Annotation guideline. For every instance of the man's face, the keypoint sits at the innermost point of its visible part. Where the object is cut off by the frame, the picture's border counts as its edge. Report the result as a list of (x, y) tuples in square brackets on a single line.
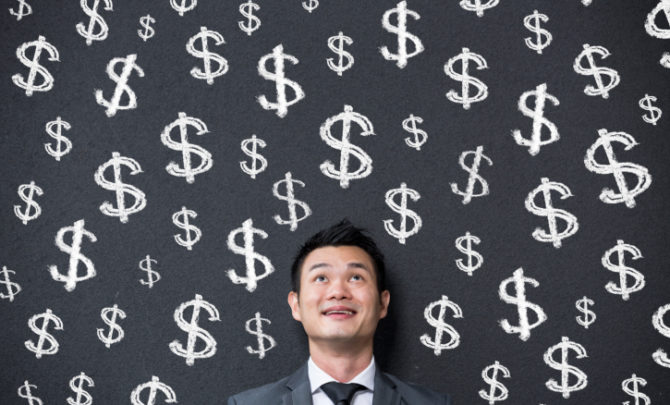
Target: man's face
[(339, 300)]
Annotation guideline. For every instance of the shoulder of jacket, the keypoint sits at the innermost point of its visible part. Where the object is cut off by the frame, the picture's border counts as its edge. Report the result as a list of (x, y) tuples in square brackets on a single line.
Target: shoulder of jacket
[(261, 394), (424, 394)]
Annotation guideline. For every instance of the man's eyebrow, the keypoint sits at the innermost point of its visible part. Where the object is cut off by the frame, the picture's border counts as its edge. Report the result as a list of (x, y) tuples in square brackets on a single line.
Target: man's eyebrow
[(357, 265)]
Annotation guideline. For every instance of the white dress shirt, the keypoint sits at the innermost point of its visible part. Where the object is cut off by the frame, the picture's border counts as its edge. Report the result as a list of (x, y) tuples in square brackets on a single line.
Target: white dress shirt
[(318, 377)]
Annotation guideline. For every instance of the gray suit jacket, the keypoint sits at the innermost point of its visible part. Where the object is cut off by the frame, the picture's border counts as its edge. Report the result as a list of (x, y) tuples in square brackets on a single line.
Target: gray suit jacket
[(295, 390)]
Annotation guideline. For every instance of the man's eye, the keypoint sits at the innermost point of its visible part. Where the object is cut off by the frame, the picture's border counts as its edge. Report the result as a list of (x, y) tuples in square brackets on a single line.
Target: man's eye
[(357, 277), (320, 278)]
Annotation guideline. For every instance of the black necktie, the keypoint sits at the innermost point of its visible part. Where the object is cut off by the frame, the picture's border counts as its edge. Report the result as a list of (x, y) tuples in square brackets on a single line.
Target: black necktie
[(341, 393)]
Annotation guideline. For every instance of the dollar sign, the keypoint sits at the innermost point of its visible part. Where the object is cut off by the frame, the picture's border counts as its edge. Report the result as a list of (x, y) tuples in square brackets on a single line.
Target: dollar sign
[(77, 385), (665, 60), (521, 303), (281, 82), (254, 155), (24, 10), (497, 390), (248, 231), (478, 6), (148, 31), (634, 392), (466, 80), (122, 88), (566, 369), (152, 275), (340, 39), (554, 236), (186, 148), (474, 175), (78, 233), (253, 23), (24, 392), (401, 30), (289, 197), (601, 89), (420, 136), (532, 22), (345, 147), (181, 219), (654, 112), (35, 68), (467, 250), (194, 331), (95, 20), (109, 316), (31, 189), (660, 356), (12, 287), (45, 337), (184, 6), (154, 386), (262, 337), (625, 195), (401, 208), (441, 326), (58, 152), (120, 188), (537, 114), (589, 316), (586, 3), (650, 23), (624, 271), (207, 57), (310, 5)]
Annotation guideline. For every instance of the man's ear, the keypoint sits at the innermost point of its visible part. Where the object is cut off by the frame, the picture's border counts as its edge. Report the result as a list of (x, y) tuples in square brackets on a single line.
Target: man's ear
[(385, 299), (294, 304)]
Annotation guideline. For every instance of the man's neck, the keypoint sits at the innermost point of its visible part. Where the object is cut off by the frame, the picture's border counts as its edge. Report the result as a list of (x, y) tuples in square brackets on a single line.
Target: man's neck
[(342, 365)]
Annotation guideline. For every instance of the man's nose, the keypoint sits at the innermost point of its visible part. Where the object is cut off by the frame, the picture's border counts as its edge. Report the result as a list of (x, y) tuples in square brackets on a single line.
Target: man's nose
[(339, 289)]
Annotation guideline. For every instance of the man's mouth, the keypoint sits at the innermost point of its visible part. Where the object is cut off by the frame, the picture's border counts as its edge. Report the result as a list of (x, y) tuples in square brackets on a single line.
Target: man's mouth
[(339, 312)]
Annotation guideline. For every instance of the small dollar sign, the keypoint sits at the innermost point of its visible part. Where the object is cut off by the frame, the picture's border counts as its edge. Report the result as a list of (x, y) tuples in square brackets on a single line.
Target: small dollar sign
[(120, 188), (187, 149), (35, 68), (24, 391), (194, 331), (634, 391), (660, 356), (116, 333), (72, 277), (45, 337), (148, 31), (441, 326), (77, 385), (289, 197), (497, 390), (601, 89), (537, 114), (184, 6), (420, 136), (253, 22), (401, 208), (336, 44), (207, 57), (532, 22), (401, 30), (262, 337), (254, 155), (95, 21), (181, 219), (650, 23), (310, 5), (478, 6), (12, 287), (58, 152), (587, 3), (153, 387), (345, 147), (589, 317), (470, 267), (466, 80), (474, 177), (122, 88), (624, 271), (278, 56), (152, 275), (566, 369), (31, 189), (554, 236), (24, 10), (521, 303), (618, 169), (251, 279), (654, 112)]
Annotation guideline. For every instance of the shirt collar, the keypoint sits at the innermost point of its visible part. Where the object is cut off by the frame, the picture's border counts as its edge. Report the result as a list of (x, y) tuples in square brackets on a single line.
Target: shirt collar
[(318, 377)]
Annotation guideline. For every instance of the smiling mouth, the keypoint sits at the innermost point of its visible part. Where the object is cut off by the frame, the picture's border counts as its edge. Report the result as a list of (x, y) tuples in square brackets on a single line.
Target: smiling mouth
[(339, 312)]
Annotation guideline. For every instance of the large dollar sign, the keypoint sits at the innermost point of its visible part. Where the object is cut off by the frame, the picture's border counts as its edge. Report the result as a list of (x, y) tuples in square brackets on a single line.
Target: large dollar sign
[(254, 155), (251, 279), (497, 390), (340, 39), (72, 277), (96, 20), (478, 6), (532, 22), (122, 88), (24, 10), (154, 386), (58, 152), (148, 31), (401, 30), (289, 197), (616, 168), (401, 208), (310, 5), (601, 89), (120, 188), (566, 369), (441, 326), (521, 303), (466, 80), (152, 275), (470, 267), (45, 337), (624, 271), (34, 66), (420, 136), (207, 57), (194, 331), (116, 333), (31, 189), (474, 177), (660, 356), (253, 22), (181, 219), (537, 114), (186, 148), (183, 6), (261, 337), (77, 385), (552, 214), (280, 80), (631, 387), (345, 147), (650, 23), (589, 316), (24, 391), (654, 112), (12, 287)]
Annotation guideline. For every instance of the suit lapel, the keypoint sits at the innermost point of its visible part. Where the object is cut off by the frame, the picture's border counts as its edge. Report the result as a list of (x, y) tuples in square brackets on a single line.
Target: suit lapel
[(299, 389), (385, 392)]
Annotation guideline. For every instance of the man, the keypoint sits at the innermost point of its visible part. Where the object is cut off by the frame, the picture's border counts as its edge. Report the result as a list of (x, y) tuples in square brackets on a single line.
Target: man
[(339, 296)]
